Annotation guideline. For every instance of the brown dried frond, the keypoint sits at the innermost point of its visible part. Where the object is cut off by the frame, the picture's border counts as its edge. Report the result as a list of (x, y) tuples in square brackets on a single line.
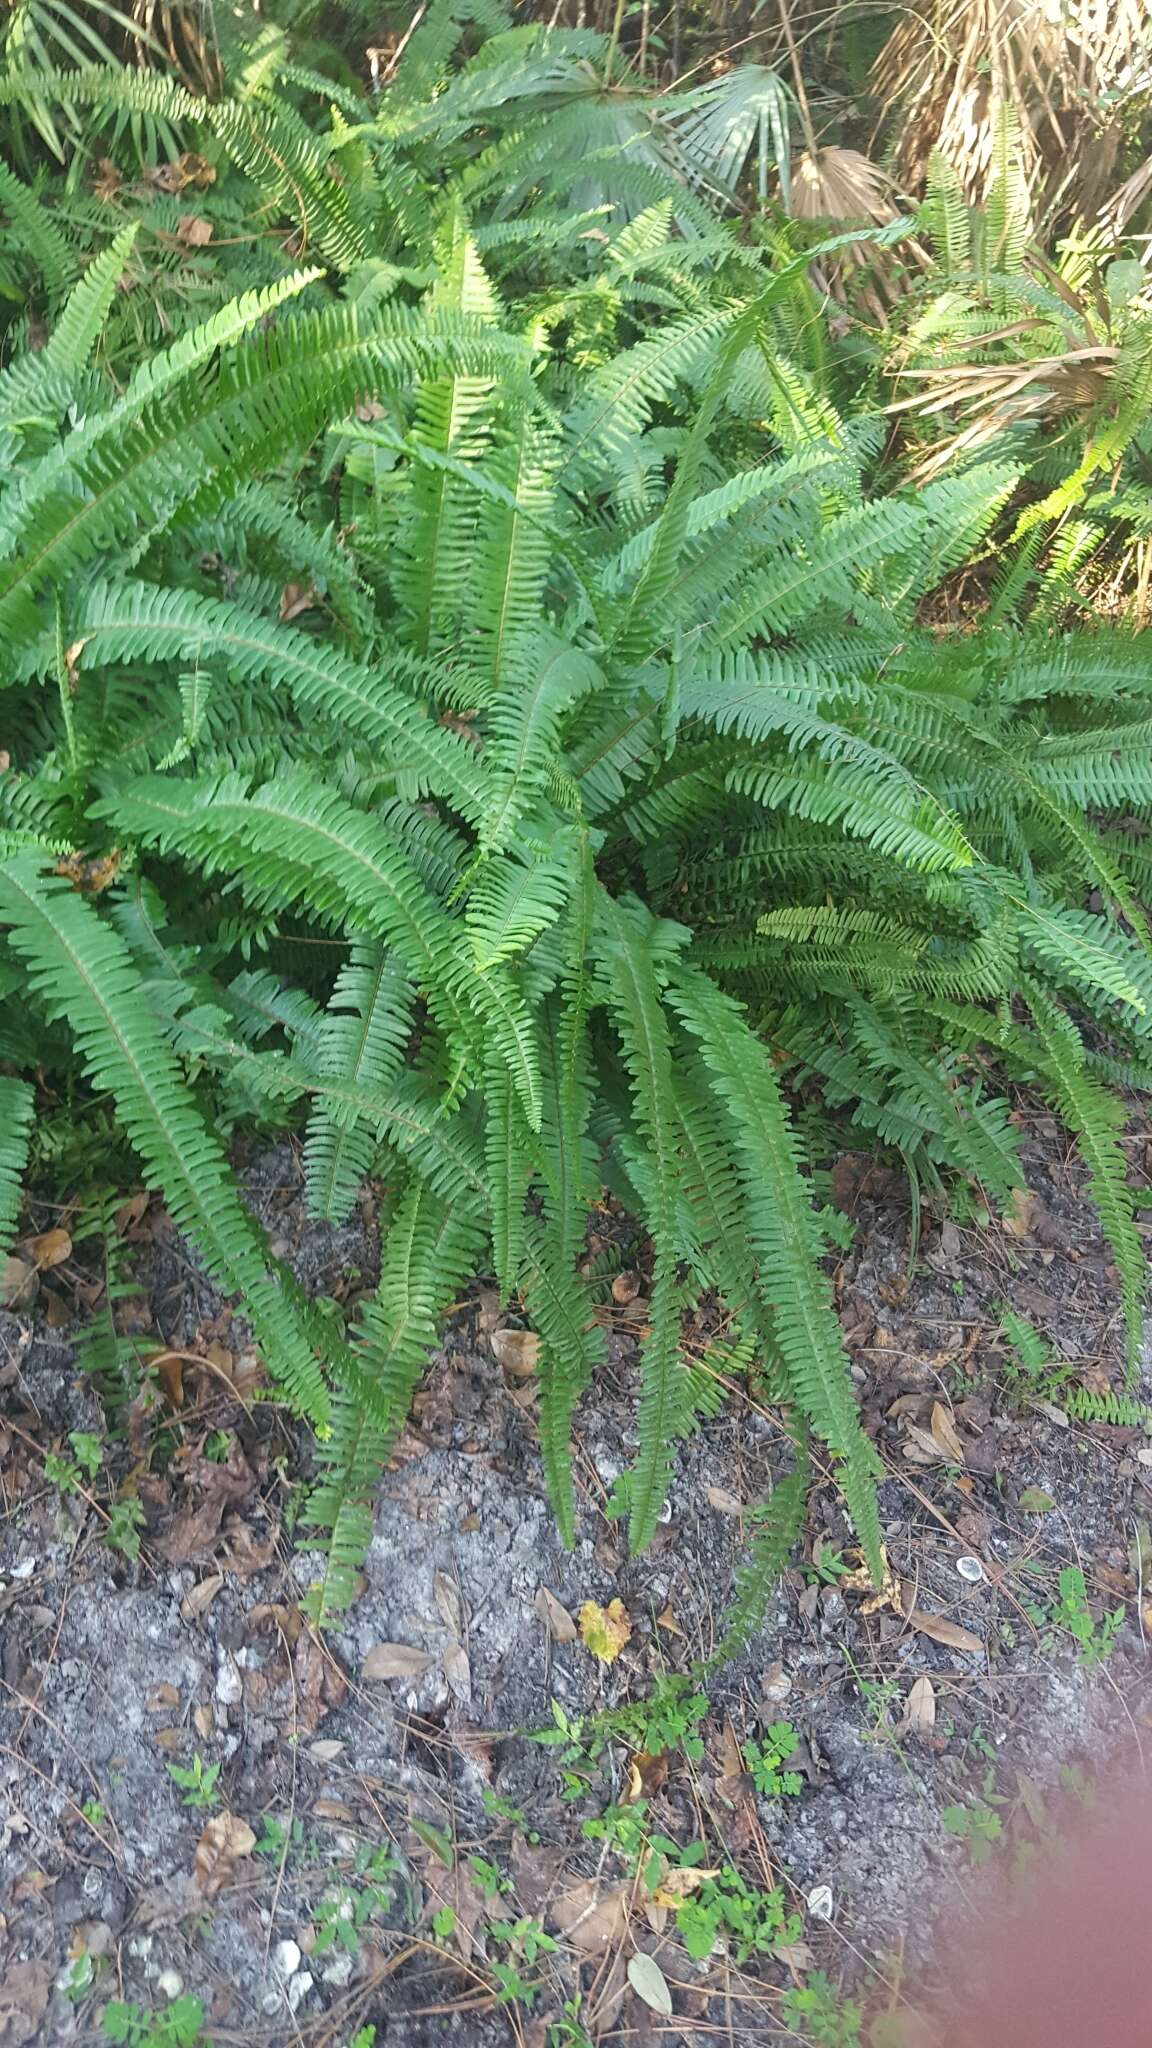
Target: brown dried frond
[(946, 69)]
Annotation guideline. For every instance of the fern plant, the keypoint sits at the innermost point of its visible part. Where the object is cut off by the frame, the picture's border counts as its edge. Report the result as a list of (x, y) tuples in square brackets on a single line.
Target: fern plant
[(607, 773)]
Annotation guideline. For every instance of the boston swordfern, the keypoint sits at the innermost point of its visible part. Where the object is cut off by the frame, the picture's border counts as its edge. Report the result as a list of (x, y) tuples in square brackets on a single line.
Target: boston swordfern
[(624, 789)]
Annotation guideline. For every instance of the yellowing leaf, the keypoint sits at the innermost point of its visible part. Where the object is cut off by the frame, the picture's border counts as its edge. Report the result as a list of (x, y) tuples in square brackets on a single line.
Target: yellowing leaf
[(604, 1630), (677, 1885)]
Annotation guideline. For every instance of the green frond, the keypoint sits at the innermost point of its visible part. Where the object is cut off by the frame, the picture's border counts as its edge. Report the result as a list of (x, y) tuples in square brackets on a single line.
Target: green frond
[(361, 1041), (781, 1229), (427, 1250), (17, 1103), (1119, 1411), (775, 1529), (79, 969), (633, 954), (1095, 1116)]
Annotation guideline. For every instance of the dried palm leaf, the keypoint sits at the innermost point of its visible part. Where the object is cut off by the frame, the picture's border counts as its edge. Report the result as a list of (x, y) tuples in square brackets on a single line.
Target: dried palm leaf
[(1063, 65)]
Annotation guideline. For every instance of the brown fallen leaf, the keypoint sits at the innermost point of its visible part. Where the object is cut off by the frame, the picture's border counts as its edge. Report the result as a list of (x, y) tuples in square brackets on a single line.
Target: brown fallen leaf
[(396, 1661), (944, 1434), (725, 1503), (887, 1594), (676, 1885), (591, 1919), (19, 1282), (294, 599), (458, 1671), (666, 1619), (555, 1616), (604, 1630), (449, 1605), (224, 1841), (919, 1716), (199, 1598), (1017, 1219), (50, 1249), (944, 1631), (193, 231), (162, 1699), (24, 1995), (320, 1684), (518, 1351)]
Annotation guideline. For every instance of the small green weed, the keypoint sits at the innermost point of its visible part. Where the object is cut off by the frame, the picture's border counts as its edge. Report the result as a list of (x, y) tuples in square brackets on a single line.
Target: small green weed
[(342, 1915), (765, 1758), (77, 1978), (668, 1719), (197, 1782), (1094, 1640), (816, 2012), (123, 1530), (527, 1942), (177, 2027), (978, 1823)]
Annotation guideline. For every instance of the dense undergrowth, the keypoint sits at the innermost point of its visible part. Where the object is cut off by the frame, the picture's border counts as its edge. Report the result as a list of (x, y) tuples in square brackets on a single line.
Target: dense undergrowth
[(511, 677)]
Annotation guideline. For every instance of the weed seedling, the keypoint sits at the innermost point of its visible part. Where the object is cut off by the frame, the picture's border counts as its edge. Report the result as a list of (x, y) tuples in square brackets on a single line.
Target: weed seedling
[(817, 2013), (133, 2027), (123, 1530), (765, 1759), (1094, 1641), (198, 1784)]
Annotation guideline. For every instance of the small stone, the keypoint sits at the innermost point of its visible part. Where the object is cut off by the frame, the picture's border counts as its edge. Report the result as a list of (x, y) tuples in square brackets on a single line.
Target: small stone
[(339, 1971), (970, 1568), (286, 1958), (820, 1903), (171, 1983), (229, 1684), (298, 1988)]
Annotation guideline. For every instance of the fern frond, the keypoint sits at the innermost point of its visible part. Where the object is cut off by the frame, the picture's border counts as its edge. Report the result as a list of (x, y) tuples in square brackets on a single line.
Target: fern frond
[(361, 1041), (427, 1250), (1094, 1116), (79, 969), (775, 1529), (782, 1230), (17, 1103)]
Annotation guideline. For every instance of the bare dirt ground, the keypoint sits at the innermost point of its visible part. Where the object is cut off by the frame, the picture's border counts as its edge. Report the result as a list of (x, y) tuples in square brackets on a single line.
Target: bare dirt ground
[(356, 1820)]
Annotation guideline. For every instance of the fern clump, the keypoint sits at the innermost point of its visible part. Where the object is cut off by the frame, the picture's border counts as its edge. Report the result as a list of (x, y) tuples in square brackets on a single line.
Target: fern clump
[(602, 795)]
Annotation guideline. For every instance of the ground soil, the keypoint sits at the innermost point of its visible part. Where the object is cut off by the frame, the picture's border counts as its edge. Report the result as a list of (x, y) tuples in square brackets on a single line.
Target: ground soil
[(338, 1794)]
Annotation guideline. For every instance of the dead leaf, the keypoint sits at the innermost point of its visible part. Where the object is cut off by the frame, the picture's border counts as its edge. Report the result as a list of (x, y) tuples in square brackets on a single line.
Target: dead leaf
[(725, 1503), (448, 1602), (199, 1599), (592, 1920), (556, 1617), (326, 1752), (24, 1996), (604, 1630), (456, 1890), (332, 1809), (518, 1351), (396, 1661), (888, 1594), (1017, 1220), (193, 231), (920, 1446), (224, 1841), (204, 1722), (944, 1631), (51, 1248), (19, 1283), (458, 1671), (170, 1739), (294, 599), (919, 1716), (162, 1699), (666, 1619), (944, 1434), (649, 1983), (192, 1531), (534, 1868), (320, 1683), (678, 1884)]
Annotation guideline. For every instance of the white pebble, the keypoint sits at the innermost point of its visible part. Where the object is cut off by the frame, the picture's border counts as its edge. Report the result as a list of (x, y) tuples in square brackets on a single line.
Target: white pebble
[(286, 1958), (298, 1988), (970, 1568), (171, 1983), (820, 1902)]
